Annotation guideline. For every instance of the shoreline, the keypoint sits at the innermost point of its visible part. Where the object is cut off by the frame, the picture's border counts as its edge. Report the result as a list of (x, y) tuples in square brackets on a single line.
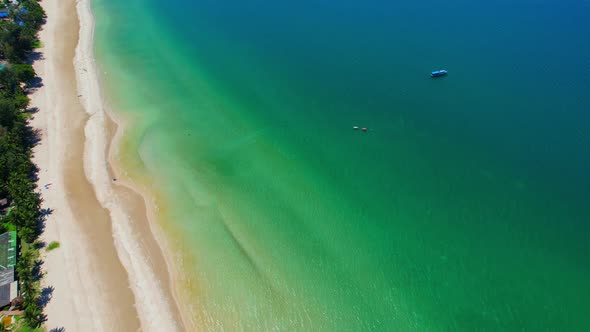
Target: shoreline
[(142, 217), (151, 301), (111, 262), (148, 206)]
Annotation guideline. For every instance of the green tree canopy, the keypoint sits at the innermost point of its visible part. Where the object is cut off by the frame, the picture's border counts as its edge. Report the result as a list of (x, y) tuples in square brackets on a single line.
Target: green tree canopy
[(23, 72)]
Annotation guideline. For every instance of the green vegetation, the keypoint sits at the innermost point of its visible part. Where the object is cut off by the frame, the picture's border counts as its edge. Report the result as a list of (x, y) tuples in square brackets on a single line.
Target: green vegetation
[(52, 245), (18, 37), (27, 270), (20, 326), (29, 329), (23, 72), (18, 40)]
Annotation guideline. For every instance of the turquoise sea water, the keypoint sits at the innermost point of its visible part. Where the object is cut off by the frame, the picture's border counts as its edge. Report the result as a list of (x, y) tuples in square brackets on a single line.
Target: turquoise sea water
[(464, 207)]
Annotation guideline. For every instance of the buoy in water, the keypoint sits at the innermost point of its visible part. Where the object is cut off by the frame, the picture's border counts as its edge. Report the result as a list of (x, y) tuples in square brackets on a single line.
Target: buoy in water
[(364, 129), (355, 127)]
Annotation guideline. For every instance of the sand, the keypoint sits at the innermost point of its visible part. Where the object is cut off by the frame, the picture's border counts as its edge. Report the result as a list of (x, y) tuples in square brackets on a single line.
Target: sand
[(109, 273)]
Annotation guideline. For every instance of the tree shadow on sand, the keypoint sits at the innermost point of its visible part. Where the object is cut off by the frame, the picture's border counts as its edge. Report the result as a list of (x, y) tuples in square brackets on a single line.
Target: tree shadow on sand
[(33, 136), (32, 110), (34, 84), (40, 244), (36, 272), (46, 296), (34, 56)]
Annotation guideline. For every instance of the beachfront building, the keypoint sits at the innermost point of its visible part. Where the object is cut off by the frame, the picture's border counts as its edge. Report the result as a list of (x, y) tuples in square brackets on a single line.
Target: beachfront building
[(8, 284)]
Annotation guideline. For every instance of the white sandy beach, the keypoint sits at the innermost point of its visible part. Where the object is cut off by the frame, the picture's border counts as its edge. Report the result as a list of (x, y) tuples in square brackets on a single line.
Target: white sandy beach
[(109, 273)]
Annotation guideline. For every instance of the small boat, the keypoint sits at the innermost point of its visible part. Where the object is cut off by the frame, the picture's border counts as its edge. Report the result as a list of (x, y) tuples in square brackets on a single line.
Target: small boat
[(438, 73)]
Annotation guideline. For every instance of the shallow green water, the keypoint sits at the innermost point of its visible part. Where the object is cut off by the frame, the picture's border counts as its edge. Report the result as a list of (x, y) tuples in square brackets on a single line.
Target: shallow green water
[(463, 208)]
